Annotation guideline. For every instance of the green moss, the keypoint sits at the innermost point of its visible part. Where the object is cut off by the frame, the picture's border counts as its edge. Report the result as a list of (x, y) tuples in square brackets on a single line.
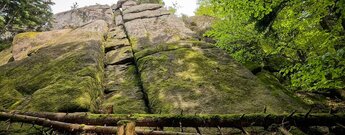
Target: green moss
[(19, 129), (133, 42), (279, 91), (9, 97), (126, 96), (252, 66), (25, 35), (65, 77), (203, 79)]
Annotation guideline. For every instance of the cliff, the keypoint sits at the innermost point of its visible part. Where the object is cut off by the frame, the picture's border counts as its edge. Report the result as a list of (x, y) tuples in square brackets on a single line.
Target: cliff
[(135, 59)]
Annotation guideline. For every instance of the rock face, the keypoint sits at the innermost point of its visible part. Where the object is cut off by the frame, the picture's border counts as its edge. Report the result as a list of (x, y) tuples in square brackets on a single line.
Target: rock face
[(146, 60), (200, 24), (179, 73), (5, 56), (82, 16), (122, 85), (63, 75)]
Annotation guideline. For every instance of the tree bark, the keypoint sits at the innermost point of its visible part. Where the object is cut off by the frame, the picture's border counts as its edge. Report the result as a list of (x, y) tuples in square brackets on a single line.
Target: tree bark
[(63, 126), (166, 120), (129, 129)]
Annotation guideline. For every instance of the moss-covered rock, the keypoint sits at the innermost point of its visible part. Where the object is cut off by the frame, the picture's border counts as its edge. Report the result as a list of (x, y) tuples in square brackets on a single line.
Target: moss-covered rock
[(25, 43), (5, 56), (122, 88), (119, 56), (63, 75), (60, 78), (122, 91), (287, 98), (204, 79)]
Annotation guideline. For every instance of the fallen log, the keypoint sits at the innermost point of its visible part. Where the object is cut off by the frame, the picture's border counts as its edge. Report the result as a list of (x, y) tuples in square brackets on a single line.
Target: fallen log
[(77, 128), (63, 126), (204, 120)]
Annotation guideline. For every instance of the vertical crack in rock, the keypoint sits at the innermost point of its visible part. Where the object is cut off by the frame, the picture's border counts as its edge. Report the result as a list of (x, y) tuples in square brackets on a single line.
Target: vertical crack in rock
[(145, 97), (123, 90), (179, 73)]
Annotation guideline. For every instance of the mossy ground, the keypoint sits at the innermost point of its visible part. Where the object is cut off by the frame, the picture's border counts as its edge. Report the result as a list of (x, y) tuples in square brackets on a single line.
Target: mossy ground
[(5, 56), (19, 129), (202, 79), (278, 90), (65, 77)]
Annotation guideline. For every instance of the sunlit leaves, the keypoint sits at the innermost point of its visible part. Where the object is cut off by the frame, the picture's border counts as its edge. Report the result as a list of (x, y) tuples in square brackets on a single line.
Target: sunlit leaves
[(305, 36), (24, 15)]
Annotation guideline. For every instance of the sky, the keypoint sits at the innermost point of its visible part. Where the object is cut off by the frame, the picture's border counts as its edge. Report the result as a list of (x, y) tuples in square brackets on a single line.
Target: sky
[(183, 6)]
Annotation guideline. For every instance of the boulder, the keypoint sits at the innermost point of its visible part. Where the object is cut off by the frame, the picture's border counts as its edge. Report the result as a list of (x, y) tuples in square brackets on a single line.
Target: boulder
[(113, 44), (119, 20), (119, 56), (181, 74), (117, 33), (150, 63), (199, 24), (128, 3), (64, 75), (152, 31), (82, 16), (204, 79), (145, 14), (142, 7), (5, 56), (122, 89), (25, 43)]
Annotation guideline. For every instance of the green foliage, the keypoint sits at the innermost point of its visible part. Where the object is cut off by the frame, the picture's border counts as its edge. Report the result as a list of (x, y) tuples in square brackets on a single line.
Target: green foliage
[(24, 15), (303, 40), (4, 44)]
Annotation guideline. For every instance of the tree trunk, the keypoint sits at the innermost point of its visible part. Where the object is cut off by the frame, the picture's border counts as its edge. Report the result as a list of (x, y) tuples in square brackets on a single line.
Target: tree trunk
[(166, 120), (129, 128), (73, 128)]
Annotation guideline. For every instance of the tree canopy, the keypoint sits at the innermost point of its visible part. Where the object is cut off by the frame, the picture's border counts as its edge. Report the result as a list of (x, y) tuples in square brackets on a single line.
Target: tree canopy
[(302, 41), (24, 15)]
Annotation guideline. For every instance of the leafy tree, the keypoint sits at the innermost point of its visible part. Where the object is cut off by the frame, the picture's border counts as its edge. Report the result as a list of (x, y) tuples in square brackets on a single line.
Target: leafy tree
[(303, 40), (24, 15)]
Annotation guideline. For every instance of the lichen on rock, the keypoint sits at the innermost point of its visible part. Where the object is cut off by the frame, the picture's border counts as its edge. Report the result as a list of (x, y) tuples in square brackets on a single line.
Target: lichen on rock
[(204, 80), (62, 75)]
